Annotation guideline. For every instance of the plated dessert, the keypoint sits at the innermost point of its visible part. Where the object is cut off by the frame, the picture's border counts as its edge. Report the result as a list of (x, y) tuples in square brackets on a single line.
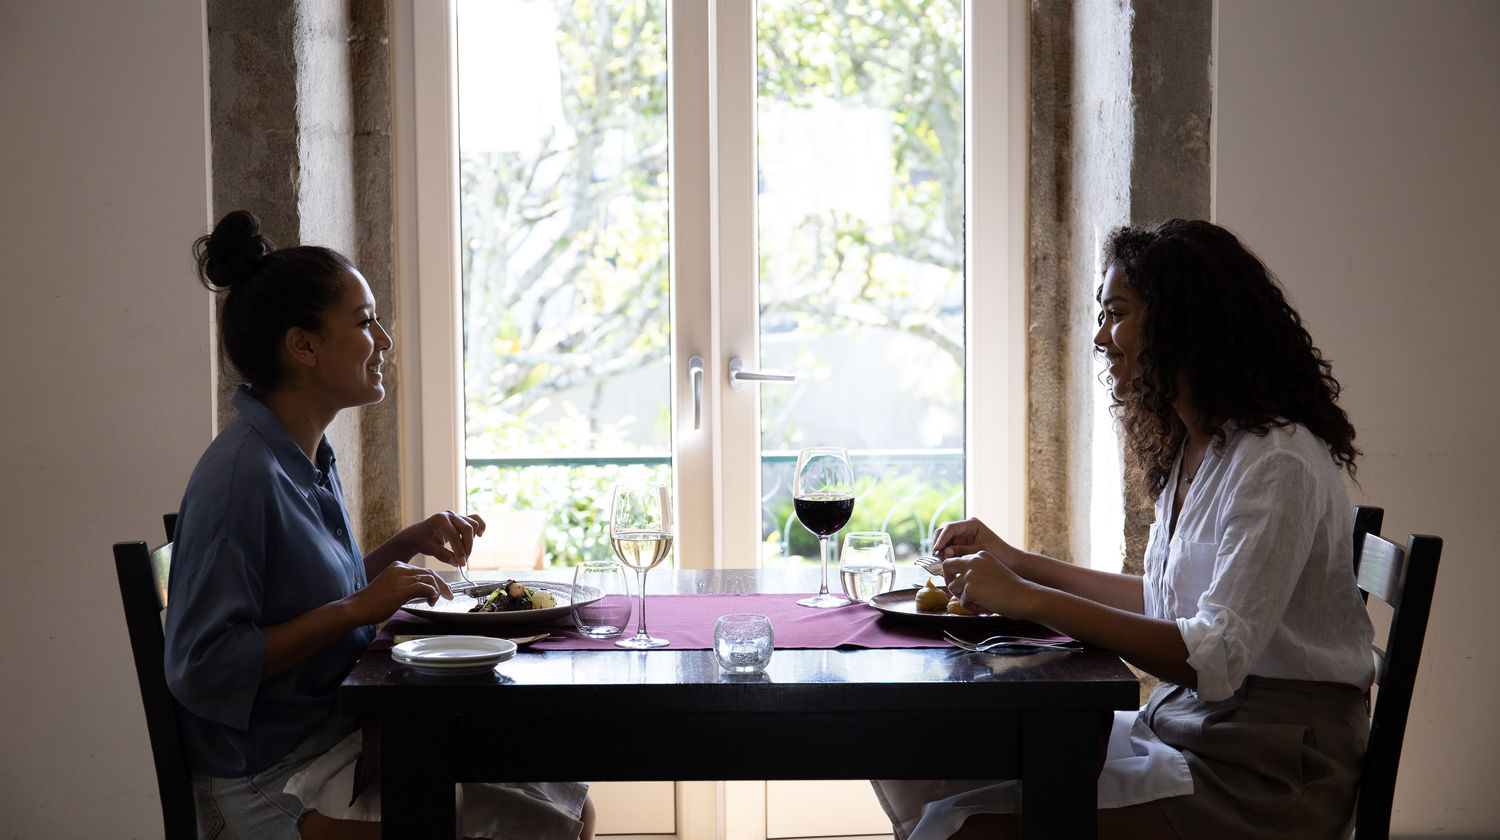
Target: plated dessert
[(933, 598)]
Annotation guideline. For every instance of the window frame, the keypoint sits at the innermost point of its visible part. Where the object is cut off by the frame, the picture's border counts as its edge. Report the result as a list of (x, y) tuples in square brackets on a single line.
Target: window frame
[(429, 342)]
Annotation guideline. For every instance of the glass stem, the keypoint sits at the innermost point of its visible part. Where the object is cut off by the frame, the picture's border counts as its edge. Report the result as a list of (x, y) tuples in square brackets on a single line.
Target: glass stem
[(640, 631), (823, 549)]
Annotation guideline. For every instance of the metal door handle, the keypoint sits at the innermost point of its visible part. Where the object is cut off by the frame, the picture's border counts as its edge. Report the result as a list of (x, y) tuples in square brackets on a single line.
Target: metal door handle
[(695, 376), (738, 376)]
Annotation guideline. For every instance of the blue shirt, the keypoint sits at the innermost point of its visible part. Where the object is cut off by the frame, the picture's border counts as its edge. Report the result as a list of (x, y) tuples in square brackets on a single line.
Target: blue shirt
[(262, 537)]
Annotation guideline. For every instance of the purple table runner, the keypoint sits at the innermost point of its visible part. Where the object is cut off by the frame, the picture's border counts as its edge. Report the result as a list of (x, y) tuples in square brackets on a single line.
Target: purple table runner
[(687, 621)]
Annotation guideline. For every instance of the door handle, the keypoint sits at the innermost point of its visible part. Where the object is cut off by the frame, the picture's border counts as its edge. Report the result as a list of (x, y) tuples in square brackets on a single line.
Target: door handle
[(738, 376), (695, 376)]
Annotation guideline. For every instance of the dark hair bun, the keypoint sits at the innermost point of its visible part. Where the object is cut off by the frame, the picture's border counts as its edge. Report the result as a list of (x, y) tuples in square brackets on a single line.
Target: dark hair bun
[(233, 252)]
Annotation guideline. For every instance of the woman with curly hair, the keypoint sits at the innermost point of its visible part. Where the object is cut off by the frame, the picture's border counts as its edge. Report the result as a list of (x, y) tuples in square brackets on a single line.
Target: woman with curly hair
[(1248, 612)]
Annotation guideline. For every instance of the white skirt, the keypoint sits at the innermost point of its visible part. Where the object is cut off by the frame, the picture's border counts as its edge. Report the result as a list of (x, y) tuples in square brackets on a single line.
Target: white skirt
[(522, 810), (1138, 768)]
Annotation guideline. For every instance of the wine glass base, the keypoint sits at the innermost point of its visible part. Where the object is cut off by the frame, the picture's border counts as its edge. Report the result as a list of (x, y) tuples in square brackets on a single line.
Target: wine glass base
[(642, 643), (825, 601)]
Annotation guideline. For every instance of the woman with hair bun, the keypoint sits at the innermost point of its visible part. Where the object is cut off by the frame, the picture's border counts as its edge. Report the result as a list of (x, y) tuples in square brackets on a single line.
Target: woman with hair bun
[(1247, 613), (271, 599)]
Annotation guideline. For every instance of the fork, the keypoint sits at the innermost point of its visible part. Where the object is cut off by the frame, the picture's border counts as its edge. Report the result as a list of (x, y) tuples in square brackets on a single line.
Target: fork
[(1011, 644), (930, 564)]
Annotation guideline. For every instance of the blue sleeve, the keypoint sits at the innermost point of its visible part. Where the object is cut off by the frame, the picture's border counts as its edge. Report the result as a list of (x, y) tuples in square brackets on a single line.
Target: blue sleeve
[(214, 646), (215, 649)]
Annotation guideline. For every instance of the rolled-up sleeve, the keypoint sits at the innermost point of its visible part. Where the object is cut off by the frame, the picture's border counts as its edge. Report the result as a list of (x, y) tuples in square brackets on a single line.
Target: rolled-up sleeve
[(1267, 531), (215, 648)]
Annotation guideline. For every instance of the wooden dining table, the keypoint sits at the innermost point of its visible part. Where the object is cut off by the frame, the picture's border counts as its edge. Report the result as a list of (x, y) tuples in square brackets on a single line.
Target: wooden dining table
[(672, 715)]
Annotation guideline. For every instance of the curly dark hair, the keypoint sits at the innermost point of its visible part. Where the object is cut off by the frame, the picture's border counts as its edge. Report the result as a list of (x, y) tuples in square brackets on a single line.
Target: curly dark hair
[(1217, 320)]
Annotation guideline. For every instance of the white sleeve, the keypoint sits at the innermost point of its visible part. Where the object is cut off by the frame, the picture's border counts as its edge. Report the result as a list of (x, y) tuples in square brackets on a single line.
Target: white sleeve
[(1266, 526)]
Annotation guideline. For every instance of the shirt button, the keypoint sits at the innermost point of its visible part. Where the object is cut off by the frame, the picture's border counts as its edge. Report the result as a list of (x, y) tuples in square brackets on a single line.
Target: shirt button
[(1219, 620), (340, 532)]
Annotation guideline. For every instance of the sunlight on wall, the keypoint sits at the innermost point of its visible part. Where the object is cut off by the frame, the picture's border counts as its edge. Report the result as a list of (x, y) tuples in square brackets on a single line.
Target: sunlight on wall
[(1107, 495)]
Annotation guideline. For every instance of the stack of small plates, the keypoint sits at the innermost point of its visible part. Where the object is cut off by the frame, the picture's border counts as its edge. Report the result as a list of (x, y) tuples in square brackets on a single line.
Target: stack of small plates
[(453, 655)]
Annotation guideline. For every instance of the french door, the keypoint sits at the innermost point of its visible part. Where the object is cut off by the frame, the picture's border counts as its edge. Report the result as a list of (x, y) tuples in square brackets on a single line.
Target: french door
[(684, 238)]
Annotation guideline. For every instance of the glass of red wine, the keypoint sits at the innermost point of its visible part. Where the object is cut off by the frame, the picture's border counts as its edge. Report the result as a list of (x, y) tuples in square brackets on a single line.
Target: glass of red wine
[(823, 496)]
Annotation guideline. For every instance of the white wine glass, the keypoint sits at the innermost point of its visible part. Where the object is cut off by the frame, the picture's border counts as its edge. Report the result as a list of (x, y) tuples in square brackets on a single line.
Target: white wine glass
[(640, 532), (823, 497)]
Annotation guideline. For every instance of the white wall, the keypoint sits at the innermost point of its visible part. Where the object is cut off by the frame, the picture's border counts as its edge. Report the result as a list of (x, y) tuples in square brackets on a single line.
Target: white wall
[(104, 384), (1356, 153)]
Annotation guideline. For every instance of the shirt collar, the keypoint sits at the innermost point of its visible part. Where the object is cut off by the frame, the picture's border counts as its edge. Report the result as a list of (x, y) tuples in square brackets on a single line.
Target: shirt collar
[(259, 417)]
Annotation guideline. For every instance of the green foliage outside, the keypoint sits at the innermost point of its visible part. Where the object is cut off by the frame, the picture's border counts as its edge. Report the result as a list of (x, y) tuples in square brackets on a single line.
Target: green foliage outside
[(905, 505), (564, 253), (577, 498)]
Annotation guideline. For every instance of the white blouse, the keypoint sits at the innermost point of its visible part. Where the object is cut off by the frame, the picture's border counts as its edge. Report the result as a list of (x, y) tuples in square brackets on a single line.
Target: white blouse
[(1258, 573), (1260, 578)]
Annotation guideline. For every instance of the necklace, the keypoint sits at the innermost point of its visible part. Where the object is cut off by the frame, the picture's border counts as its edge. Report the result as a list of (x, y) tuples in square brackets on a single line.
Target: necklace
[(1182, 470)]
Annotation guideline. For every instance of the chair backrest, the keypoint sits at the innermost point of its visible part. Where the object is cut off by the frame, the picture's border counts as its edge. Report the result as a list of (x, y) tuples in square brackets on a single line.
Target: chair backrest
[(143, 592), (1367, 520), (1404, 578)]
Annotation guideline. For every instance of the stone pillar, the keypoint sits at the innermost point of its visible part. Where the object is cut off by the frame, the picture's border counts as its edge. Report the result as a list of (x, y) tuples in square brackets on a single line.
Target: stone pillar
[(1080, 188), (301, 130), (1120, 92), (374, 250), (1171, 48), (1049, 233)]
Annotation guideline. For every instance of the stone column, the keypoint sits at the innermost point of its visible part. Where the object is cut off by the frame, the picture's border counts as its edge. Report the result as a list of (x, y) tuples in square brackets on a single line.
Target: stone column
[(1119, 135), (1171, 48), (1121, 95), (300, 123)]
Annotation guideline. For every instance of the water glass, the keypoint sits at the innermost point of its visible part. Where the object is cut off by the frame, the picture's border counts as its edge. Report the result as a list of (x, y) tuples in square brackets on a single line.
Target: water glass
[(600, 599), (743, 643), (867, 564)]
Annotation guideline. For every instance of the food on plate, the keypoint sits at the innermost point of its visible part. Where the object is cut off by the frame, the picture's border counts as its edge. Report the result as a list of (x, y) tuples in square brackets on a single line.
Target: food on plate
[(932, 598), (955, 608), (513, 595)]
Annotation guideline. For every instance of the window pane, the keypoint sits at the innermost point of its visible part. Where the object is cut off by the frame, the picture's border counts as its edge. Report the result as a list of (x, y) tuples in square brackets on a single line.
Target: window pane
[(563, 191), (861, 211)]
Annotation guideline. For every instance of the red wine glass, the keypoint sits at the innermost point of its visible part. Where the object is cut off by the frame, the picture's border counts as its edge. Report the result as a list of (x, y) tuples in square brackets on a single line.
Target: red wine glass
[(823, 496)]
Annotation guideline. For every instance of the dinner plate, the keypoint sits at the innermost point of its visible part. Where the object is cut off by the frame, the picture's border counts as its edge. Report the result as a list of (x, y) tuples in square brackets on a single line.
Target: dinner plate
[(454, 649), (453, 655), (901, 604), (456, 611)]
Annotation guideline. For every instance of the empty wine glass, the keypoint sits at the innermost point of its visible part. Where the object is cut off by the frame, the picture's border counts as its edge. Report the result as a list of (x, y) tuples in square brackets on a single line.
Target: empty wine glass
[(640, 532), (823, 497)]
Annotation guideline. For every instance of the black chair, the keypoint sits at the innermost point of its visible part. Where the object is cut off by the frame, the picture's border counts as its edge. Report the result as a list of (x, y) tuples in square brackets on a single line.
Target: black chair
[(1405, 579), (143, 591), (1367, 520)]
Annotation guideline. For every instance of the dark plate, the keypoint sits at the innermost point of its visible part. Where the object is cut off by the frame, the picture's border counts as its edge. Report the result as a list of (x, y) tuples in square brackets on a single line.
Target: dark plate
[(901, 604)]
